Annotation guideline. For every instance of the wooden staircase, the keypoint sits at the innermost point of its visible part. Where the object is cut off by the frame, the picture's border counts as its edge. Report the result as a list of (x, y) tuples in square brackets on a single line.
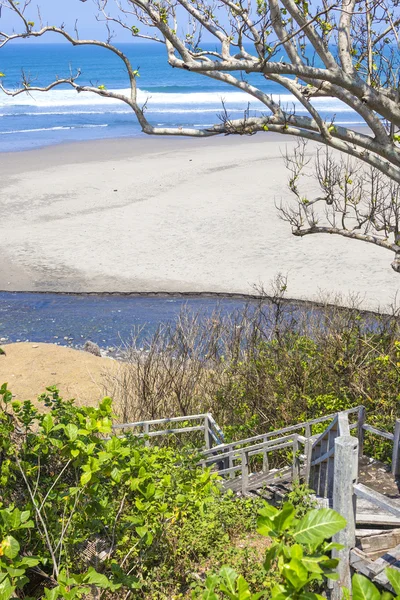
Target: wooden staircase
[(333, 464)]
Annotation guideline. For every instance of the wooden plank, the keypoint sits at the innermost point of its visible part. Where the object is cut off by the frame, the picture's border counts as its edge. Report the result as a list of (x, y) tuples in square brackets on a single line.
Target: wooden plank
[(380, 432), (323, 458), (387, 504), (345, 473), (158, 421), (396, 450), (343, 424), (360, 430), (170, 431)]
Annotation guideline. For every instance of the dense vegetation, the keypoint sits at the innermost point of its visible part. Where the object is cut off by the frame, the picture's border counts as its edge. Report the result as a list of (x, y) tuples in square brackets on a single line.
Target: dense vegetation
[(86, 514), (270, 366), (82, 508), (83, 512)]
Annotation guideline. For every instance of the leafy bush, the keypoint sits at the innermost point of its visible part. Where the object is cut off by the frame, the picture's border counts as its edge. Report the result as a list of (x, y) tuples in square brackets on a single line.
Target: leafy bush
[(81, 508)]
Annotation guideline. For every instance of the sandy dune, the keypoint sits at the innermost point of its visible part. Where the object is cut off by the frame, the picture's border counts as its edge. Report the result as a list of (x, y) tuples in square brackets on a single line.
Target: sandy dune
[(30, 368)]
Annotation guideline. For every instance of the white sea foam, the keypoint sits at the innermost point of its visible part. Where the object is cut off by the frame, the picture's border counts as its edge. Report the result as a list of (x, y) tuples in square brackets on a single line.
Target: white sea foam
[(50, 129), (156, 100)]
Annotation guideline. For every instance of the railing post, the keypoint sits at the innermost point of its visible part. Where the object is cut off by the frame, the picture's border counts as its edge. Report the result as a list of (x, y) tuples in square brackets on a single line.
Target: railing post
[(230, 463), (295, 464), (207, 436), (265, 466), (146, 429), (344, 502), (308, 454), (360, 430), (245, 471), (396, 450)]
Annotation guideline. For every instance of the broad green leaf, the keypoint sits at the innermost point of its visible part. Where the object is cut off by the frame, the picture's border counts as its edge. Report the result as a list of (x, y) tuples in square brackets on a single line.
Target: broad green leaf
[(364, 589), (265, 525), (333, 546), (317, 525), (116, 475), (53, 593), (141, 531), (296, 551), (86, 477), (280, 592), (71, 432), (95, 578), (150, 491), (311, 563), (9, 546), (268, 511), (284, 517), (296, 573), (242, 587), (387, 596), (25, 515), (6, 590), (48, 423), (229, 576), (394, 577)]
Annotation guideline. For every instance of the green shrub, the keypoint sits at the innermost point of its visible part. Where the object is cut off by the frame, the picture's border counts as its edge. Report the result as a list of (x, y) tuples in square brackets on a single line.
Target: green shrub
[(80, 507)]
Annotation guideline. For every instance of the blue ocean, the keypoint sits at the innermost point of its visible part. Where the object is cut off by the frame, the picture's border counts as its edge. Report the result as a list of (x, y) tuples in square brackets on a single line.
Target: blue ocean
[(174, 97)]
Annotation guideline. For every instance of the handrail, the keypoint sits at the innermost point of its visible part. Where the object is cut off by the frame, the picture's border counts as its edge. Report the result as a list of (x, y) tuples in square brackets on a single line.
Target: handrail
[(380, 432), (238, 451), (377, 499), (160, 421), (213, 434), (291, 428)]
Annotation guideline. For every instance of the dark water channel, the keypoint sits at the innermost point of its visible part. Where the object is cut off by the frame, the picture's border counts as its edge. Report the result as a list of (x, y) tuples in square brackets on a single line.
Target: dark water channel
[(108, 320)]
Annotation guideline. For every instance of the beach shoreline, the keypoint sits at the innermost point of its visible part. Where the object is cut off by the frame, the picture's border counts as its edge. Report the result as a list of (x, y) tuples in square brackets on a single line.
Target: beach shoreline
[(149, 215)]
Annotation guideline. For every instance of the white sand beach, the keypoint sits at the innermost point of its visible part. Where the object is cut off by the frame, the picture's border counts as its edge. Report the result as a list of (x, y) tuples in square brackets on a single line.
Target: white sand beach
[(176, 215)]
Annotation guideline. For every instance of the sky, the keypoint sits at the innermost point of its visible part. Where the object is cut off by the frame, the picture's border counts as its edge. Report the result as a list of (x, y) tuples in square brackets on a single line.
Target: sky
[(56, 12)]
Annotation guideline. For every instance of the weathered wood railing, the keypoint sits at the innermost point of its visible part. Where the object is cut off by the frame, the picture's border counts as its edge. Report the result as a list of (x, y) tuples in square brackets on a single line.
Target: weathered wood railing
[(213, 435), (321, 461), (394, 437), (233, 460), (328, 461), (334, 474)]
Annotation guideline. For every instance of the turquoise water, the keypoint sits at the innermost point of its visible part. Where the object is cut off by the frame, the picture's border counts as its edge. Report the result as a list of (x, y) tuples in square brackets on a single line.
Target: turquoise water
[(175, 97)]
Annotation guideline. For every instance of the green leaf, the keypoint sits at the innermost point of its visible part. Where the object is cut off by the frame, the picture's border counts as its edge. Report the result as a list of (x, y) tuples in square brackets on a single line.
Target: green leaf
[(242, 588), (10, 546), (71, 432), (86, 477), (141, 531), (95, 578), (229, 576), (48, 423), (53, 593), (284, 517), (25, 516), (296, 573), (364, 589), (317, 525), (6, 589), (394, 577)]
